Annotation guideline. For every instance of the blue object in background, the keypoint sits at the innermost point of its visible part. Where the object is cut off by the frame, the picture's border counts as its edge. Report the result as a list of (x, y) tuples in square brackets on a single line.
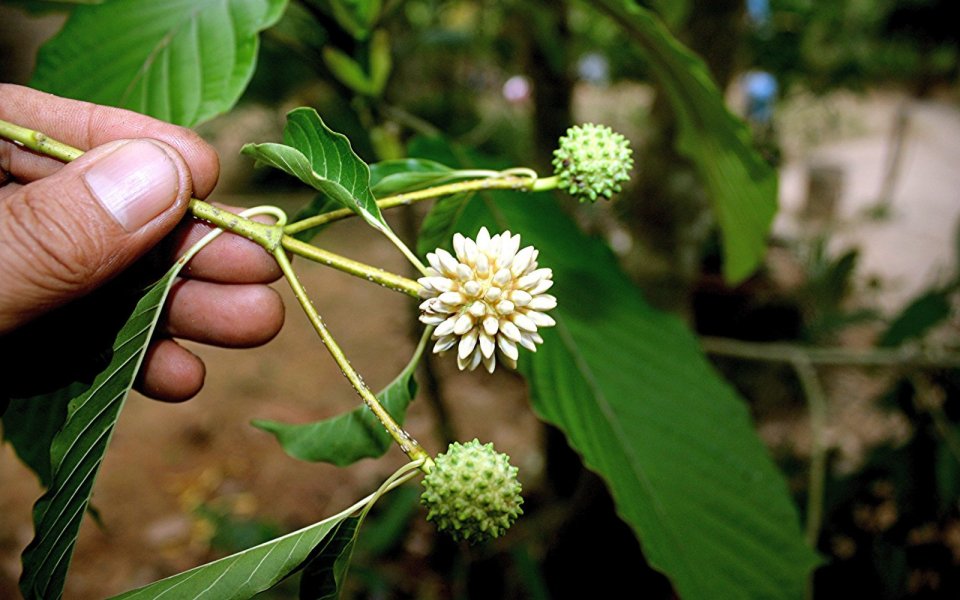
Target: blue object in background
[(761, 89), (759, 12)]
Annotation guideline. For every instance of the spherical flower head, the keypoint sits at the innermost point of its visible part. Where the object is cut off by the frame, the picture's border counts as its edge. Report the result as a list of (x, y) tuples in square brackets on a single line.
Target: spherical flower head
[(591, 161), (472, 492), (487, 299)]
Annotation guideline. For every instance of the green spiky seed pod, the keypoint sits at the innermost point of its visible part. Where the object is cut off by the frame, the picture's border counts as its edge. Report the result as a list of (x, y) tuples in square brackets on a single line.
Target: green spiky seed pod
[(472, 492), (591, 161)]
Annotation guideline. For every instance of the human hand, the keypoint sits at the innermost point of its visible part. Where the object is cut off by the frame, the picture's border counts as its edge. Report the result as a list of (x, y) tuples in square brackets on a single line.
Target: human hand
[(81, 239)]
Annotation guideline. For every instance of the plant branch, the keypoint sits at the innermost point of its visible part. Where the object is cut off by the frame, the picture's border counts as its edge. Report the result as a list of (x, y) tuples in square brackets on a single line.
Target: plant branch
[(347, 265), (267, 236), (270, 237), (407, 443), (38, 142), (817, 405), (510, 180), (873, 357)]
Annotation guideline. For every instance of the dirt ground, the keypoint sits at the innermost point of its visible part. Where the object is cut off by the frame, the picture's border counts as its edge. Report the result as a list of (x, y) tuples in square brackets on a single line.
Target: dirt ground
[(165, 460)]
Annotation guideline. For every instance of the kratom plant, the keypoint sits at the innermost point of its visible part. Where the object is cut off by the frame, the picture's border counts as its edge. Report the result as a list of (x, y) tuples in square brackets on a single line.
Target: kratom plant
[(507, 280), (486, 300)]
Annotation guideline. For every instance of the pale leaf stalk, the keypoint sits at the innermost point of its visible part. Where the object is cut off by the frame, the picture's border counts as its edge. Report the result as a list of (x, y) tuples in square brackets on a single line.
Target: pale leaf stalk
[(407, 253), (270, 237), (407, 443), (507, 180)]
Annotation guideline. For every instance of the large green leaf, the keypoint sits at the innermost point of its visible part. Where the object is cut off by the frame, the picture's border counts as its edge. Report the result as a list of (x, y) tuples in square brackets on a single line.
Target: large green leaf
[(633, 393), (183, 61), (247, 573), (326, 570), (439, 225), (30, 424), (742, 186), (324, 549), (78, 448), (407, 174), (351, 436), (324, 160)]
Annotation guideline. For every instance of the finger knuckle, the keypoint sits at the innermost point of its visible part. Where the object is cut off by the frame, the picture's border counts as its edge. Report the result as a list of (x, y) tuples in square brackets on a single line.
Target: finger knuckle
[(60, 250)]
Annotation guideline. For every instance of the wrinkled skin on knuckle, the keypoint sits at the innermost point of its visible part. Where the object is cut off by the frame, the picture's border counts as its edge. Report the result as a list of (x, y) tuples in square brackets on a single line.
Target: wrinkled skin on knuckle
[(53, 249)]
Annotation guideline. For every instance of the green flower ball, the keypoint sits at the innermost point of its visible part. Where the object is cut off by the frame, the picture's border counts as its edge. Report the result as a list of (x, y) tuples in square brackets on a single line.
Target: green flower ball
[(472, 492), (591, 161)]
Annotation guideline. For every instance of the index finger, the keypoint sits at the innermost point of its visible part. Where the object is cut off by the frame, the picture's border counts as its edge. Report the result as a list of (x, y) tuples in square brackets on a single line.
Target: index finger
[(85, 126)]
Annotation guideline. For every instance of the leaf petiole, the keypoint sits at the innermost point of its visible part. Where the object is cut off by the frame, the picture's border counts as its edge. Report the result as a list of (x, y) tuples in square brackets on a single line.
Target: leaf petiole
[(512, 179)]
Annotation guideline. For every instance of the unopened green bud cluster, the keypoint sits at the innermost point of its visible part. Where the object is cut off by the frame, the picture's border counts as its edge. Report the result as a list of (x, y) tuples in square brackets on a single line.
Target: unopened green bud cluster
[(592, 161), (472, 492)]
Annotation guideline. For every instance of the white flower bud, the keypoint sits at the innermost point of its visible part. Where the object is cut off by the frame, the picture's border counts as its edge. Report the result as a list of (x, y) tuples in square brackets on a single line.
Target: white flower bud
[(488, 300)]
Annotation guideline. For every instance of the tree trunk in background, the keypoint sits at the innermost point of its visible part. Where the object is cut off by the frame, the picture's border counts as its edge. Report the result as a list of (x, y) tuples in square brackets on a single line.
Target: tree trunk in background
[(547, 64)]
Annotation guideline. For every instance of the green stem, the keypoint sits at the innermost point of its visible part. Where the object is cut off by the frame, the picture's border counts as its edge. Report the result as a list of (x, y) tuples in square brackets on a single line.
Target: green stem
[(817, 405), (38, 142), (407, 443), (509, 181), (347, 265), (270, 237), (872, 357)]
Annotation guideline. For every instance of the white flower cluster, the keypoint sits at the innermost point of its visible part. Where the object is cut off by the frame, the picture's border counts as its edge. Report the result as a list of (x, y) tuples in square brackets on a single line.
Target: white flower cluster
[(487, 300)]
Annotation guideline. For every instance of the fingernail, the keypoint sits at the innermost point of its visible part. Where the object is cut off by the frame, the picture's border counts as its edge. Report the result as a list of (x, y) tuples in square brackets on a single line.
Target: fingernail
[(135, 183)]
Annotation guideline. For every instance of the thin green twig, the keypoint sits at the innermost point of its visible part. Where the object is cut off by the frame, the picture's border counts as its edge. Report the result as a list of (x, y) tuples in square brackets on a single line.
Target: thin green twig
[(347, 265), (407, 443), (509, 180), (915, 356), (817, 405), (38, 142)]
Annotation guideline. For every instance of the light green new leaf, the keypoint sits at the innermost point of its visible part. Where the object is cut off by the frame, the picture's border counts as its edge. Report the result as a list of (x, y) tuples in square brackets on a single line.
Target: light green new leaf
[(78, 449), (381, 61), (182, 61), (324, 160), (351, 436), (348, 71), (367, 82), (356, 16), (633, 393), (742, 186)]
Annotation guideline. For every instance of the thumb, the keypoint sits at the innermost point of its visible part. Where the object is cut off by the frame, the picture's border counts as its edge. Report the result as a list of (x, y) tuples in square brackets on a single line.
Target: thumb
[(65, 235)]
